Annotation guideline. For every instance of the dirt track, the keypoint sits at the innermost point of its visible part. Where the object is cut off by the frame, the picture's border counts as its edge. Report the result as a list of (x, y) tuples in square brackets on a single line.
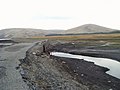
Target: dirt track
[(10, 78)]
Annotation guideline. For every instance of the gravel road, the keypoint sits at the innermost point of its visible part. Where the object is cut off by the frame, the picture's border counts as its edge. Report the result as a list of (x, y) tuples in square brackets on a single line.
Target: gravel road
[(10, 78)]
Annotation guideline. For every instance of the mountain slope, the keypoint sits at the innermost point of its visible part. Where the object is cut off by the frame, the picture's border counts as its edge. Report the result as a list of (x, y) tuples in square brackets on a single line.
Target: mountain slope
[(89, 28), (25, 32)]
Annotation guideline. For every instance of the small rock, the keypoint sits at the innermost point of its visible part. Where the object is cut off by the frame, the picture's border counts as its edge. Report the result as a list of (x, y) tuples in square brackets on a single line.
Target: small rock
[(77, 74), (73, 43), (82, 75), (22, 72), (109, 81), (110, 89), (33, 53), (63, 62), (74, 71), (48, 87), (17, 67), (74, 78)]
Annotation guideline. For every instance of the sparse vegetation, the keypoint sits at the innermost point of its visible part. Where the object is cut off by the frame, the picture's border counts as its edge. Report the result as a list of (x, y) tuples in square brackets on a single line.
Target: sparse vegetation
[(80, 37)]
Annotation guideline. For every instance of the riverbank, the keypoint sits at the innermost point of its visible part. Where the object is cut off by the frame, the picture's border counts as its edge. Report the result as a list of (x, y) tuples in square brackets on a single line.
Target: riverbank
[(87, 48), (89, 74), (111, 64), (42, 71), (6, 42)]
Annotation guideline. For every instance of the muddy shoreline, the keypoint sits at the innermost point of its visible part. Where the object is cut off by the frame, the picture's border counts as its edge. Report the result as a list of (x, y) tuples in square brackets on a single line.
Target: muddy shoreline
[(77, 49), (89, 74), (42, 71)]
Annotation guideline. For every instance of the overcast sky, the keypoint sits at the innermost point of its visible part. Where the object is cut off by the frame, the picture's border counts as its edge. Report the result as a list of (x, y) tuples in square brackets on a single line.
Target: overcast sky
[(59, 14)]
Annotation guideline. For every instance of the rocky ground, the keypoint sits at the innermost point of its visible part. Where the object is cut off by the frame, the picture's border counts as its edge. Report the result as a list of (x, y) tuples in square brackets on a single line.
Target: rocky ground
[(100, 49), (89, 74), (37, 70), (45, 72)]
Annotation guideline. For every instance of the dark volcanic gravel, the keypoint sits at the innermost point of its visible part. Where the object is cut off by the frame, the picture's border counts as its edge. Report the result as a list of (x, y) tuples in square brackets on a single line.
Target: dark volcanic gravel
[(87, 50), (89, 74), (47, 72)]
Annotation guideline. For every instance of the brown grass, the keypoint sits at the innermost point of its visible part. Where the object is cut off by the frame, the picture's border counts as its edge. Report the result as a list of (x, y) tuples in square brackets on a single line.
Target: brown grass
[(78, 37)]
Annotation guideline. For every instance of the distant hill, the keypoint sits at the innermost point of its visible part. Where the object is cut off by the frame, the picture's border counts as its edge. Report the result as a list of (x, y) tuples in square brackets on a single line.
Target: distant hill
[(25, 32), (29, 32), (89, 28)]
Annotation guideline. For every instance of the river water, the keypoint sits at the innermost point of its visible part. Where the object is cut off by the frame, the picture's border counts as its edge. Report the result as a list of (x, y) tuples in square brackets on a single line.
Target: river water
[(111, 64), (5, 42)]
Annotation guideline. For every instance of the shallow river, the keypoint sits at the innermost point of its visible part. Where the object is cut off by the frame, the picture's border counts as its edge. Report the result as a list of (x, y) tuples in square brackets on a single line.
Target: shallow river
[(113, 65)]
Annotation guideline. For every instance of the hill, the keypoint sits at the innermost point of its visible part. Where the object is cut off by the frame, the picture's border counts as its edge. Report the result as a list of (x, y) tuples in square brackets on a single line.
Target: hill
[(89, 28), (29, 32), (25, 32)]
